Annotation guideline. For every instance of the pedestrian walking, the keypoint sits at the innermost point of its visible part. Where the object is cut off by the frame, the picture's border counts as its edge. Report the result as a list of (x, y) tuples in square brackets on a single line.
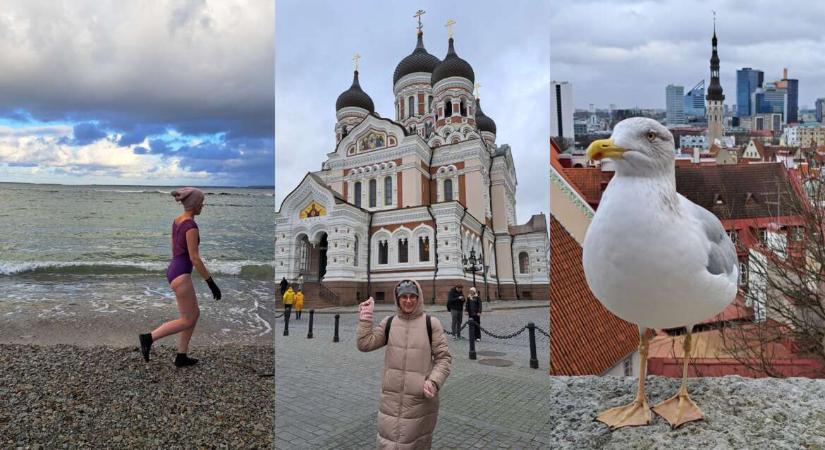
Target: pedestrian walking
[(455, 304), (185, 257), (299, 303), (416, 365), (284, 286), (289, 299), (474, 311)]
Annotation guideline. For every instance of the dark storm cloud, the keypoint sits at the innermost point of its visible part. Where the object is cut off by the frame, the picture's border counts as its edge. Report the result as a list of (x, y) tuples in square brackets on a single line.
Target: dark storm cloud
[(508, 50), (85, 133), (138, 70), (626, 53)]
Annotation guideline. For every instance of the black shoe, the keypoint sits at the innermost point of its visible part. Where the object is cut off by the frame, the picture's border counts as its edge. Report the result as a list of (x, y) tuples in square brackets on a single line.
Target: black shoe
[(145, 345), (183, 361)]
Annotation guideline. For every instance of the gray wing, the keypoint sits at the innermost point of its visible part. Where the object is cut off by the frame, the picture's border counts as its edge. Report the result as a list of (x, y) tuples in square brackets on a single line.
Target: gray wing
[(722, 255)]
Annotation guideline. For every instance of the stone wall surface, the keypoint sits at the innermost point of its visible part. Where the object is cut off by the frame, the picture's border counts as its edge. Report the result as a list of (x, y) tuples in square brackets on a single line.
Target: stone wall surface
[(740, 413)]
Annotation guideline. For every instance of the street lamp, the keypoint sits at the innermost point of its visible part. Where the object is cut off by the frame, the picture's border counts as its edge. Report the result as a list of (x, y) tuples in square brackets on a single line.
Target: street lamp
[(472, 264)]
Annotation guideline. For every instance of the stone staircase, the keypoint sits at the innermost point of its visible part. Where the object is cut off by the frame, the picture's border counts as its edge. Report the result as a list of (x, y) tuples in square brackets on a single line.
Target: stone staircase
[(316, 296)]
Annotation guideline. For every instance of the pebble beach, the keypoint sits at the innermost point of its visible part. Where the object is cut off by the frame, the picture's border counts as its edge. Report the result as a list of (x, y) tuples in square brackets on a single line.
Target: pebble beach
[(68, 396)]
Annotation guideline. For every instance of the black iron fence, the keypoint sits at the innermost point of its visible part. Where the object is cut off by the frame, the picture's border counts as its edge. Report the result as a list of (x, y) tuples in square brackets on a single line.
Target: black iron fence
[(531, 329)]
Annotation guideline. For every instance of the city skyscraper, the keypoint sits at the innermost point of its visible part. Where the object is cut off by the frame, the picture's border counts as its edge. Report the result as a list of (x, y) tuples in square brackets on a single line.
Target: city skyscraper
[(675, 104), (771, 99), (715, 97), (820, 109), (561, 110), (695, 101), (791, 87), (747, 81)]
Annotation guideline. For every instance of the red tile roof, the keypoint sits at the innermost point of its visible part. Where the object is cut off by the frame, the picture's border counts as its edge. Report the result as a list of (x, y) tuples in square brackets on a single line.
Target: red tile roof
[(724, 189), (555, 152), (586, 338), (588, 181)]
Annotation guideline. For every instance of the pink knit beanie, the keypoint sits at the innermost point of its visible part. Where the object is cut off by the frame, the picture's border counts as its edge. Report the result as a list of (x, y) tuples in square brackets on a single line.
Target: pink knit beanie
[(190, 197)]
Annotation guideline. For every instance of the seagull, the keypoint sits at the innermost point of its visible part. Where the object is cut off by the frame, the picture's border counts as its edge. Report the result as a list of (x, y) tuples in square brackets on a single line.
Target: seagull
[(654, 258)]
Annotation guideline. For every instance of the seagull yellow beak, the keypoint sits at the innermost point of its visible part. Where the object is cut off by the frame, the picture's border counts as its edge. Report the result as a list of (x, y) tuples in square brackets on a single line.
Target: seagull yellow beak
[(604, 148)]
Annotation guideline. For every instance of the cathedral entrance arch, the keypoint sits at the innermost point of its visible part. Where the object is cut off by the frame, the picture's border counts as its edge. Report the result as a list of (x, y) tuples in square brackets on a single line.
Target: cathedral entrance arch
[(311, 257), (322, 256)]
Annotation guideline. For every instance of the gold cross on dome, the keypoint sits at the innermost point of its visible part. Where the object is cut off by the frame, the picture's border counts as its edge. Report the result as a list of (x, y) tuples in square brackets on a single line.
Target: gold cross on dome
[(449, 26), (418, 14), (355, 59), (478, 87)]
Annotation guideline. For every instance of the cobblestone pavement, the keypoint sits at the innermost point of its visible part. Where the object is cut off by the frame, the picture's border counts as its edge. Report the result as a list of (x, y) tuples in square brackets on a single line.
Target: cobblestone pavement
[(327, 393)]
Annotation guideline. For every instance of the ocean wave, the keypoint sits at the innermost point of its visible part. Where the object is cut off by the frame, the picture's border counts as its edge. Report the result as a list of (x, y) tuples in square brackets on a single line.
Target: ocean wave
[(169, 192), (134, 191), (244, 269)]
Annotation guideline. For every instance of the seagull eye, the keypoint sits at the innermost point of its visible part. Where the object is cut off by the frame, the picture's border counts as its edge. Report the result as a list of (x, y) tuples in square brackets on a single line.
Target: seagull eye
[(651, 136)]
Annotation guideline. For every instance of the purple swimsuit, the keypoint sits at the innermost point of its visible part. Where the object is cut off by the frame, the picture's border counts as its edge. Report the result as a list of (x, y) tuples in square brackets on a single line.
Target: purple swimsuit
[(180, 263)]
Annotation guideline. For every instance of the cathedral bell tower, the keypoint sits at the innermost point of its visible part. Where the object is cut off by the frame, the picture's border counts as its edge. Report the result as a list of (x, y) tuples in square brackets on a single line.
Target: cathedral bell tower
[(715, 98), (455, 104), (352, 106)]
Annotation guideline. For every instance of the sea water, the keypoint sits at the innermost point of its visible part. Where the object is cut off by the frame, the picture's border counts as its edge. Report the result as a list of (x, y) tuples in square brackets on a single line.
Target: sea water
[(107, 247)]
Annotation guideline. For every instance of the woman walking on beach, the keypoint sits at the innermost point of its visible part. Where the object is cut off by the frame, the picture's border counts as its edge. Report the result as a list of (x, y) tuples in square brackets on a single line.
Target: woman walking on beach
[(185, 256)]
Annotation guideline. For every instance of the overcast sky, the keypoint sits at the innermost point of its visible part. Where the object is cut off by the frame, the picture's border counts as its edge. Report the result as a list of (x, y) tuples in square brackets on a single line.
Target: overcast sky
[(137, 92), (508, 50), (627, 52)]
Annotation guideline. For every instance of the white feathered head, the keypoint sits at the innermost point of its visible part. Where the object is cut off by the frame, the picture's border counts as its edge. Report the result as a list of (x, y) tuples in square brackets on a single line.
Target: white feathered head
[(639, 145)]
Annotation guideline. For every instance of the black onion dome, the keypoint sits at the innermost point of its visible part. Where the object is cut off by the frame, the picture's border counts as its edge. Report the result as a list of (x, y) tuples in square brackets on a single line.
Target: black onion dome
[(417, 61), (355, 96), (452, 66), (484, 123)]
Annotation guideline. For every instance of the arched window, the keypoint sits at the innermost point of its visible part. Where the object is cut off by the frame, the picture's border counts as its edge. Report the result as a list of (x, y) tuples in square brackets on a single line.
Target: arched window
[(448, 108), (383, 252), (523, 263), (429, 103), (355, 261), (387, 191), (403, 251), (423, 248), (357, 194), (373, 193), (463, 108), (411, 106), (448, 190)]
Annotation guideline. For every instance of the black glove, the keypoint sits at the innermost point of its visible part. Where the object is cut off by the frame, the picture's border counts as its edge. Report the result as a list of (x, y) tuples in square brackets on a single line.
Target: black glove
[(216, 293)]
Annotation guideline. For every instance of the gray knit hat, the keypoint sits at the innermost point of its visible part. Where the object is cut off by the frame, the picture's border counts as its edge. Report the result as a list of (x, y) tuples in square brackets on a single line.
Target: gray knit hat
[(406, 287)]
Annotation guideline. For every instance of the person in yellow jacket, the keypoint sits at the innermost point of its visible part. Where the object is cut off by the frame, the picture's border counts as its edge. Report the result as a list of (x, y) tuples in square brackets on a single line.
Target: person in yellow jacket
[(299, 304), (289, 299)]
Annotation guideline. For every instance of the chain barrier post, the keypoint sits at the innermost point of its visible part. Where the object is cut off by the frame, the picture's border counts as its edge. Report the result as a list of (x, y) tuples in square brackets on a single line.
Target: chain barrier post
[(286, 321), (311, 315), (472, 324), (335, 336), (534, 362)]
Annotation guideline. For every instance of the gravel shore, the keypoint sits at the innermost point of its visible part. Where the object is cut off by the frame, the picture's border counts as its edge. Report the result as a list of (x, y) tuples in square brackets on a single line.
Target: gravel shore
[(64, 396)]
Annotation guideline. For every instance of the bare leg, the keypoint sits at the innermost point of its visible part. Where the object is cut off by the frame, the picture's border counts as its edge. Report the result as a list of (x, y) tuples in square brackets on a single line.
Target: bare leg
[(680, 409), (636, 413), (189, 313)]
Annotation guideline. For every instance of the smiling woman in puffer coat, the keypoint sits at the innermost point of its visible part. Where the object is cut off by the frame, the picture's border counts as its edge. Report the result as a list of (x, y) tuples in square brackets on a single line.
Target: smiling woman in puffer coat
[(416, 365)]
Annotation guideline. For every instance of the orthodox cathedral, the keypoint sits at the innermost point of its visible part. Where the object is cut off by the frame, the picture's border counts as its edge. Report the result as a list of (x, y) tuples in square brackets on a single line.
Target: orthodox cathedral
[(428, 195)]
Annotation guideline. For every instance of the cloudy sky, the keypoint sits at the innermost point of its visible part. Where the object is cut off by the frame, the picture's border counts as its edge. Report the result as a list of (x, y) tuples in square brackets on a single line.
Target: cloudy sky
[(509, 54), (164, 92), (627, 52)]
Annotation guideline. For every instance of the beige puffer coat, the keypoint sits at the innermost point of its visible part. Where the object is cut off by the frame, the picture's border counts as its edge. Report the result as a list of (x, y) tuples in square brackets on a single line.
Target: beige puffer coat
[(406, 418)]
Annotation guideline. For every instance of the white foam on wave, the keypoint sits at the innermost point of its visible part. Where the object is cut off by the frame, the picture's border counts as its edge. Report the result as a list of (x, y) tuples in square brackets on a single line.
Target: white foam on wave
[(13, 268), (217, 266)]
